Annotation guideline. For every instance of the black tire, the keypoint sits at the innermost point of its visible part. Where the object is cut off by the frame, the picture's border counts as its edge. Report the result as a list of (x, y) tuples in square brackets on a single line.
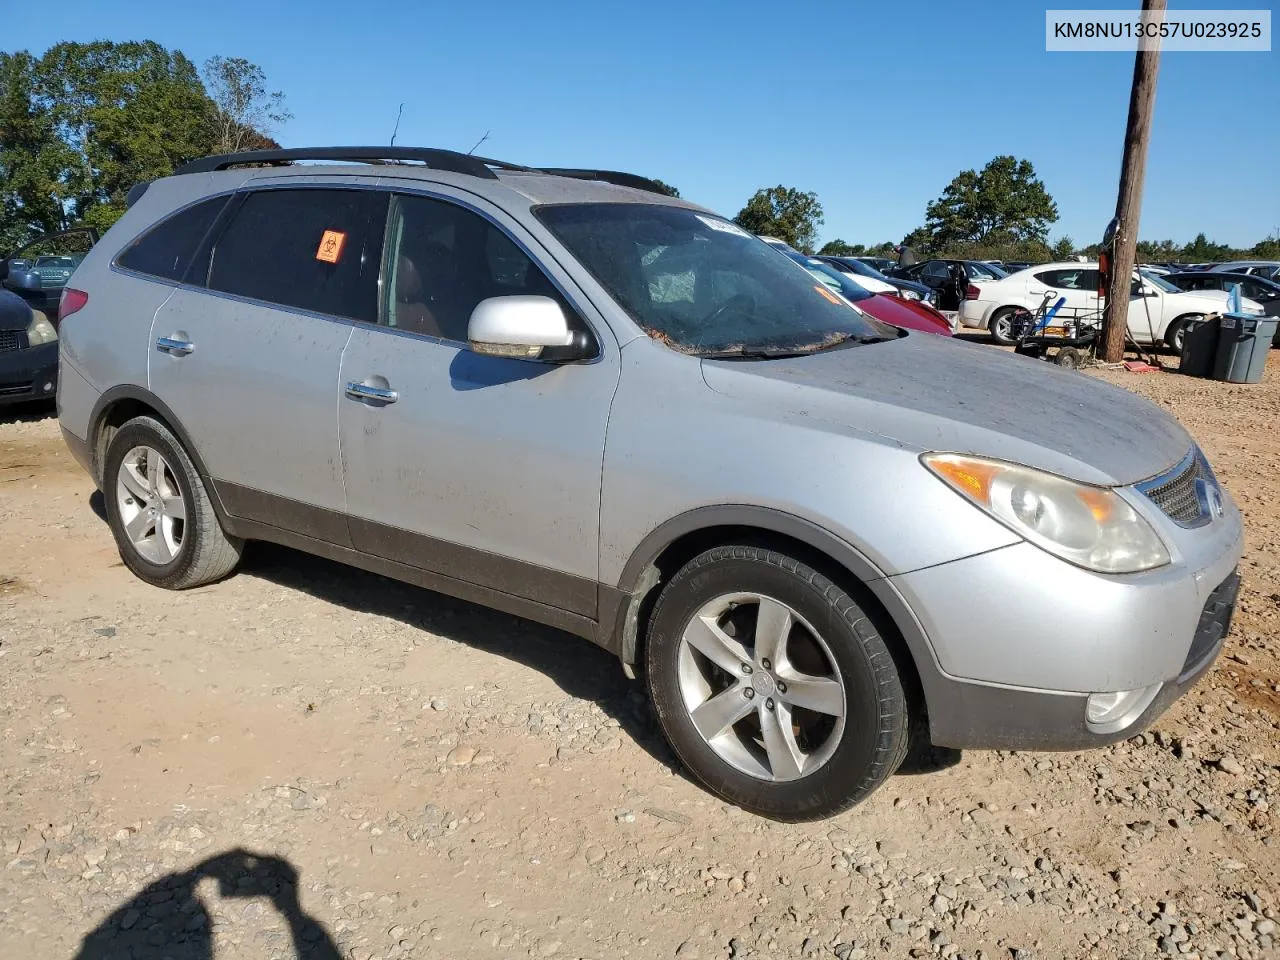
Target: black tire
[(206, 553), (999, 323), (1069, 358), (1174, 332), (876, 730)]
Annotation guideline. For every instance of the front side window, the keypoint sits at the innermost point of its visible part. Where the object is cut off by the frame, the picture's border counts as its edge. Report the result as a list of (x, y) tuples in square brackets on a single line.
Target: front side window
[(442, 259), (167, 248), (702, 284), (310, 249)]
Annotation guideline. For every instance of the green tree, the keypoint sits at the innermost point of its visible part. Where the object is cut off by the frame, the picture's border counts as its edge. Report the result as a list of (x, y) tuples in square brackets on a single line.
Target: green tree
[(1268, 249), (838, 248), (1062, 248), (1154, 251), (244, 113), (1203, 250), (783, 212), (132, 111), (1003, 203), (35, 163), (666, 188)]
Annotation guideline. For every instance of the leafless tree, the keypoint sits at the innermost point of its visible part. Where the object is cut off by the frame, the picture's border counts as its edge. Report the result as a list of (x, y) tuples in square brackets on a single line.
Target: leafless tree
[(244, 112)]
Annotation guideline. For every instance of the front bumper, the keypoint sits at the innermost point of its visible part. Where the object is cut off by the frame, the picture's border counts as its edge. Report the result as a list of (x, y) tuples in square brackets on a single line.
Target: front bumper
[(985, 716), (29, 374), (1018, 640)]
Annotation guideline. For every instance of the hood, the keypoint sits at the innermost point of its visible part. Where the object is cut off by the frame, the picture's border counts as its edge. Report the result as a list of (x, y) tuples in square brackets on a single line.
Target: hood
[(15, 313), (1217, 298), (935, 393)]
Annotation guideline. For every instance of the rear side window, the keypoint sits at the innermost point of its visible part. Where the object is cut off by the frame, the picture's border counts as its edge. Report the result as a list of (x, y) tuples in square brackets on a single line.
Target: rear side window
[(309, 249), (166, 249)]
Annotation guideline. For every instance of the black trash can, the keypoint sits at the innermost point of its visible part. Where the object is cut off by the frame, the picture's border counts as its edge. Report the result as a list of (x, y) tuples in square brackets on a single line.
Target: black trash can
[(1200, 346), (1243, 344)]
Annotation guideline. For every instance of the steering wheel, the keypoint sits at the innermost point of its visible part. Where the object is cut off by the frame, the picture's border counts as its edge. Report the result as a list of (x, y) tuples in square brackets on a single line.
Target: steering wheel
[(743, 300)]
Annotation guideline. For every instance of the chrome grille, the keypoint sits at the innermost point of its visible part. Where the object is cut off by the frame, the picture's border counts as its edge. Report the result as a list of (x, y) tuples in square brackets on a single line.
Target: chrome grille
[(11, 340), (1178, 491)]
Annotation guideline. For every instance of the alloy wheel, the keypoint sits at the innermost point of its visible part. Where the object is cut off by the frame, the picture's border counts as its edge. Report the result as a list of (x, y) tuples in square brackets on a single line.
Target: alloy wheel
[(153, 511), (761, 686)]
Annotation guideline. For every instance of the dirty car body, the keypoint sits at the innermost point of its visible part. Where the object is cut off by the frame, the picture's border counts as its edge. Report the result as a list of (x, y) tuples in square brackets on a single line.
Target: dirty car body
[(615, 412)]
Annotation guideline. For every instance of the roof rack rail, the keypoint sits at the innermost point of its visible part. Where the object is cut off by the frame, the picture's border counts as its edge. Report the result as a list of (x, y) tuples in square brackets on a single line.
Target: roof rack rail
[(615, 177), (449, 160)]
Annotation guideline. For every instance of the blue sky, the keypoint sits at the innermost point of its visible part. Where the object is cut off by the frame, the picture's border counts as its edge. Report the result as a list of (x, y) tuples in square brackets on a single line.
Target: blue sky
[(874, 106)]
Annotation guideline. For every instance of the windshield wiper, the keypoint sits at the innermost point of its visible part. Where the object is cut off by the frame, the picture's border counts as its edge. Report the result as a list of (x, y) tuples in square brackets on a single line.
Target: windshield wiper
[(752, 353)]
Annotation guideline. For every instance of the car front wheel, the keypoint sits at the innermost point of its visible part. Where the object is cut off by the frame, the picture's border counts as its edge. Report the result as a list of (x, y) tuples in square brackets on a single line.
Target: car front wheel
[(773, 686)]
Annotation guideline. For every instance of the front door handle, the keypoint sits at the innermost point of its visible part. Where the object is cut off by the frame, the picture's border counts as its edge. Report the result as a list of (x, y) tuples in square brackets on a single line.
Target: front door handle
[(173, 347), (362, 391)]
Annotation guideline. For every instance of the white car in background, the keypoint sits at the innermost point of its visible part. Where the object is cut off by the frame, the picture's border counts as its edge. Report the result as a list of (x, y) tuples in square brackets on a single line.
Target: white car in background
[(1158, 311)]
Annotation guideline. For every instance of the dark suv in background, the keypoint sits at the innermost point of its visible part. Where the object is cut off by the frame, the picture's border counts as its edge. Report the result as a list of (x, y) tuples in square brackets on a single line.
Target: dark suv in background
[(32, 279)]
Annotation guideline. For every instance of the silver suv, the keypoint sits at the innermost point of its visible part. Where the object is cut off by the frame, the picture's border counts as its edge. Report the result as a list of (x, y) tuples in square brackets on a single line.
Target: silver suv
[(575, 399)]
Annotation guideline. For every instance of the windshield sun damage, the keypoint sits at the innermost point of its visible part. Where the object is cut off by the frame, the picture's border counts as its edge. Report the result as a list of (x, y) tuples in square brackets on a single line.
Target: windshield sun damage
[(702, 285)]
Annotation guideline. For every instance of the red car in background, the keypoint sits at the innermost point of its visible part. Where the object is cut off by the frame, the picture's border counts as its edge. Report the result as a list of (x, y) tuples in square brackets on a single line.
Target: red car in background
[(886, 307), (912, 314)]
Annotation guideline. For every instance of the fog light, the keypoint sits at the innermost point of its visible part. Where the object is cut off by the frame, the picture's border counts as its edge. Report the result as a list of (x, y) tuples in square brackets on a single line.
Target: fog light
[(1111, 712)]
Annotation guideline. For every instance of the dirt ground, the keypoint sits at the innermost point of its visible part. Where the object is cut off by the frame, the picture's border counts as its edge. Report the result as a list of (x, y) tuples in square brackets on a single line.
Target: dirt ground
[(306, 760)]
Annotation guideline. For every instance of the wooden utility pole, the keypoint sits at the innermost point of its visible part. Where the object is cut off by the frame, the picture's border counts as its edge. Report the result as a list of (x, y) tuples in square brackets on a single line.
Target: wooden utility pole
[(1142, 98)]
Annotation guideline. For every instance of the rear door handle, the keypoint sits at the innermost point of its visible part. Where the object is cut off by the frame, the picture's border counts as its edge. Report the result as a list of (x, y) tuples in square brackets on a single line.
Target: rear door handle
[(176, 348), (362, 391)]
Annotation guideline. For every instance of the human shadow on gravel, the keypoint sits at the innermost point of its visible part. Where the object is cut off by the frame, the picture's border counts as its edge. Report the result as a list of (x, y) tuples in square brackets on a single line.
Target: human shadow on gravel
[(577, 666), (167, 920)]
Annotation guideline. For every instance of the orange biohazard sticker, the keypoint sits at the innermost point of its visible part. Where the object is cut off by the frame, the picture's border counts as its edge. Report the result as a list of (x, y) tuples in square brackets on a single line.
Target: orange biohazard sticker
[(822, 289), (330, 248)]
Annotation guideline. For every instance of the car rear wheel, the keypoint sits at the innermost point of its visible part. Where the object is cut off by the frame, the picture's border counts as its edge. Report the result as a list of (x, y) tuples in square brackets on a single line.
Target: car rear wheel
[(159, 511), (773, 686), (1001, 326)]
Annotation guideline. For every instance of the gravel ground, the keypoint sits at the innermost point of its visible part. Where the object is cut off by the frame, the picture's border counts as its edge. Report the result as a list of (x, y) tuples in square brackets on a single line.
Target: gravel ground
[(305, 760)]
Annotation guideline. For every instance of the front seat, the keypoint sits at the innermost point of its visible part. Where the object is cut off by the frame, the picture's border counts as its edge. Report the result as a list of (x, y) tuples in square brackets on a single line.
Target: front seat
[(411, 312)]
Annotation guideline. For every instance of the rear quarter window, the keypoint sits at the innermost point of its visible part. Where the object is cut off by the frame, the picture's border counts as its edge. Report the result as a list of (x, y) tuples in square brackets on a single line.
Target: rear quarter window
[(166, 249)]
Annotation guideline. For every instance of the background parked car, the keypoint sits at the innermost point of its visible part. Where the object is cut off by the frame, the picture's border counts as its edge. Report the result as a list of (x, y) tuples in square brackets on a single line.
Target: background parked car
[(1259, 289), (31, 285), (907, 289), (39, 270), (883, 264), (1158, 311), (939, 275), (910, 314), (1259, 268)]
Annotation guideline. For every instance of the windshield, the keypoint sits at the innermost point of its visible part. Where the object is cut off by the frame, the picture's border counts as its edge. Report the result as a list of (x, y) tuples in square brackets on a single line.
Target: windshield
[(1156, 280), (702, 284)]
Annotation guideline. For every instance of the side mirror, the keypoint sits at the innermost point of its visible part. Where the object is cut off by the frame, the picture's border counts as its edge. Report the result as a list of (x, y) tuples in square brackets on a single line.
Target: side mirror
[(525, 327), (4, 270)]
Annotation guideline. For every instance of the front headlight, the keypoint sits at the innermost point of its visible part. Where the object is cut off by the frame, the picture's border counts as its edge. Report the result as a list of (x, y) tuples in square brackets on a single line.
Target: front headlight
[(908, 294), (1092, 527), (40, 330)]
